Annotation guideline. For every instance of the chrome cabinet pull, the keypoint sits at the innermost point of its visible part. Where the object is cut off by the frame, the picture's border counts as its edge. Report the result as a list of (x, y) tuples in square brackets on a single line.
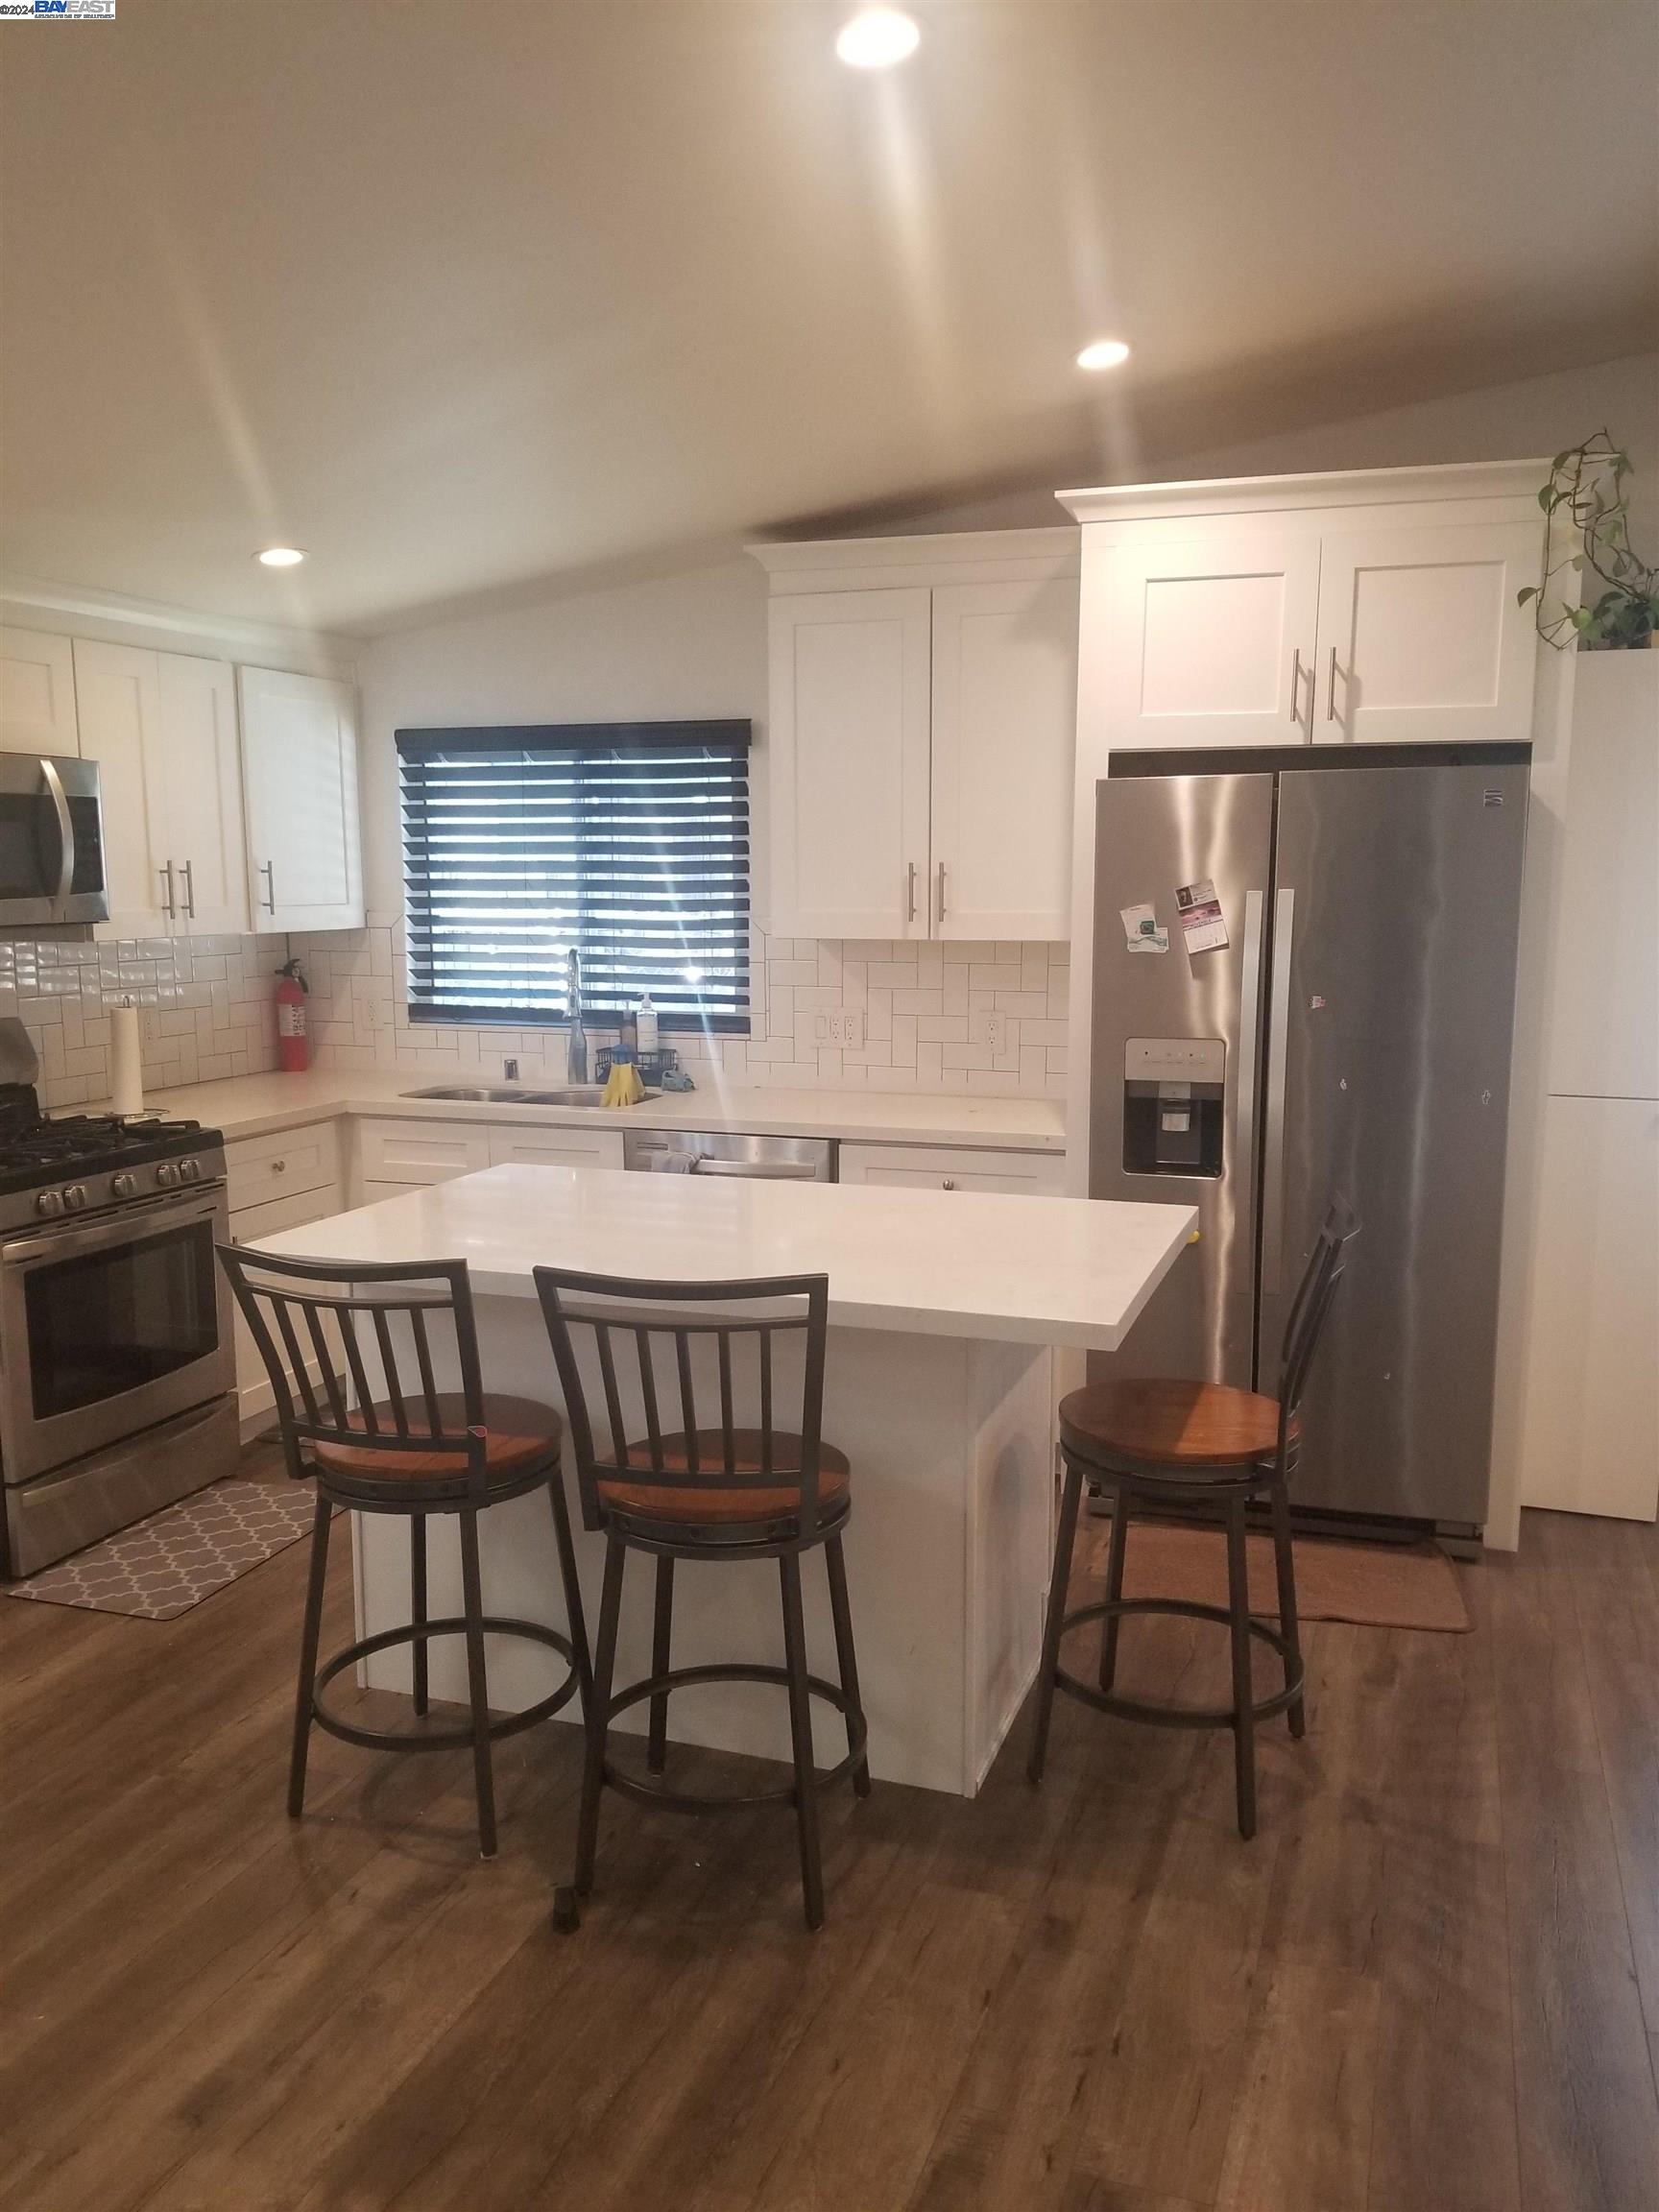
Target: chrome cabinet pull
[(268, 869), (1330, 698), (189, 874), (941, 890), (170, 896), (910, 892), (1296, 686), (948, 1184)]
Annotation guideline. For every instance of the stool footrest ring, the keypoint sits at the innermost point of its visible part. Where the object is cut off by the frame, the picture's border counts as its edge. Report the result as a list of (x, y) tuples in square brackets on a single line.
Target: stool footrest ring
[(1176, 1715), (440, 1738), (687, 1677)]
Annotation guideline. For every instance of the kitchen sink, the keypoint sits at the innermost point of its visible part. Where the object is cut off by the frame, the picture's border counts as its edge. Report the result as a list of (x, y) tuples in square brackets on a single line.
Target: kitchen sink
[(517, 1093)]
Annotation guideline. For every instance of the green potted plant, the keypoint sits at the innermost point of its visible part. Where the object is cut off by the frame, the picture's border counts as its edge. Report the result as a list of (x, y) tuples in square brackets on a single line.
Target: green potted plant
[(1586, 493)]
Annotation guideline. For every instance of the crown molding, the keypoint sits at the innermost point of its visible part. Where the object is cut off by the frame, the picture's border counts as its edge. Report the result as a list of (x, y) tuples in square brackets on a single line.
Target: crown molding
[(1325, 488), (33, 602)]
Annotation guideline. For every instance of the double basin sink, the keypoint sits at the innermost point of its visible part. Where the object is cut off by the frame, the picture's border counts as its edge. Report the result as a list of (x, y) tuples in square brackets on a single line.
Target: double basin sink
[(519, 1093)]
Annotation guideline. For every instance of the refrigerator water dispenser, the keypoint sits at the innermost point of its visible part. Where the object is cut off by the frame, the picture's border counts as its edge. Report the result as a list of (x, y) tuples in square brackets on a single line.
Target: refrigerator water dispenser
[(1172, 1096)]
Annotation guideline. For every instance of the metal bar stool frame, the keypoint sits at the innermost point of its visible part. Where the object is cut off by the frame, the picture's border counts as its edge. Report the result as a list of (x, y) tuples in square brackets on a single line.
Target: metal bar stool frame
[(287, 1304), (1234, 1484), (649, 1312)]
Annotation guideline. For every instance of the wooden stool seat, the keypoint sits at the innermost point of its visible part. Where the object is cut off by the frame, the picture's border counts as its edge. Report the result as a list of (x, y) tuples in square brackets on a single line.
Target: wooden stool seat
[(520, 1436), (1164, 1423), (699, 1502)]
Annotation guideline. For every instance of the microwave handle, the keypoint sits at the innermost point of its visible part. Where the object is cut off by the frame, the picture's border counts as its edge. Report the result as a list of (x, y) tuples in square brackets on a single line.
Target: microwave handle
[(66, 835)]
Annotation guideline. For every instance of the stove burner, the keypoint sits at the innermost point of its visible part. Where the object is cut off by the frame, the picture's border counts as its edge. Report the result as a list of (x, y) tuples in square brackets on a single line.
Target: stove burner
[(37, 1152)]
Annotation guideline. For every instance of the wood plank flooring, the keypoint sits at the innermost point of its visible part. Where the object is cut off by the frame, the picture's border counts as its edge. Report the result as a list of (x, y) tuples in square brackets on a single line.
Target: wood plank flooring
[(1432, 1984)]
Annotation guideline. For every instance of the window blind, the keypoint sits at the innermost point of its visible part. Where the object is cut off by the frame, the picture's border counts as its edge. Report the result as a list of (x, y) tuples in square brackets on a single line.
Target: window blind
[(625, 841)]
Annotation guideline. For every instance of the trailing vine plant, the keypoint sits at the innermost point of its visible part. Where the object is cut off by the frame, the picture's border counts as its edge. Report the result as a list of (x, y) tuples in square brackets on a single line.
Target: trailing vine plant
[(1587, 491)]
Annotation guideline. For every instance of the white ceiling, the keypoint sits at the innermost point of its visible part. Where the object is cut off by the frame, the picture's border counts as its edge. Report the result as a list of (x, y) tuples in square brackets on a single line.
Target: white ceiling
[(456, 293)]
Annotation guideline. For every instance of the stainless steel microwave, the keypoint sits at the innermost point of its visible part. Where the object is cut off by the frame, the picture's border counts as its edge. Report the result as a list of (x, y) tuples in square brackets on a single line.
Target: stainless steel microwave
[(51, 841)]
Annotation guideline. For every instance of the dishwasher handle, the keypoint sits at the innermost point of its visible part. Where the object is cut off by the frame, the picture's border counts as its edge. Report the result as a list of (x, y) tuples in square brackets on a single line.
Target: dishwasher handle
[(757, 1170)]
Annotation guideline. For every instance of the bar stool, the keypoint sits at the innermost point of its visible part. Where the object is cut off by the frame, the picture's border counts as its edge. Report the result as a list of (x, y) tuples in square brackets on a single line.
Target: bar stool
[(1168, 1442), (413, 1449), (730, 1491)]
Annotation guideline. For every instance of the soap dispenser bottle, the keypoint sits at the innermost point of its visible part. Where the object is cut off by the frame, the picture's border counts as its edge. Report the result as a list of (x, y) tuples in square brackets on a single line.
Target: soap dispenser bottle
[(647, 1026)]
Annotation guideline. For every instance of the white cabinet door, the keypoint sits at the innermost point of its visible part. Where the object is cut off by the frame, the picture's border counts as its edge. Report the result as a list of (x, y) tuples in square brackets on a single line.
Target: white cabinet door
[(1420, 637), (940, 1167), (1212, 640), (118, 691), (1590, 1432), (556, 1147), (36, 693), (203, 772), (848, 764), (413, 1154), (264, 1171), (300, 771), (1004, 730)]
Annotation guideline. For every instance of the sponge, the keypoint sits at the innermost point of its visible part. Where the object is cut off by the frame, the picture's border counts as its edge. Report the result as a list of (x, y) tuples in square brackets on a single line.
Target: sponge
[(623, 1087)]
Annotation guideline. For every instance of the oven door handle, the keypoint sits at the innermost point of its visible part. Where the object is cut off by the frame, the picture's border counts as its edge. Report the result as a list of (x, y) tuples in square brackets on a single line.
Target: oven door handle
[(116, 1229), (66, 836)]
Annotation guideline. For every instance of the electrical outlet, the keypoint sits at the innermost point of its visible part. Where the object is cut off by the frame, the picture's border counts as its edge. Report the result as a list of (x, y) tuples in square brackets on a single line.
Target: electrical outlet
[(989, 1028), (844, 1027)]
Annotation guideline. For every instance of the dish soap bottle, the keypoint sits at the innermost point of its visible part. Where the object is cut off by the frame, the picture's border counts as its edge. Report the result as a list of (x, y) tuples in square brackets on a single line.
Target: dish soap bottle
[(647, 1026)]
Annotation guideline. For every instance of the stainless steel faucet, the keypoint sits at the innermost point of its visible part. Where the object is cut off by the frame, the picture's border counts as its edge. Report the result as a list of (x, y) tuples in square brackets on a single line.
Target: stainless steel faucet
[(576, 1047)]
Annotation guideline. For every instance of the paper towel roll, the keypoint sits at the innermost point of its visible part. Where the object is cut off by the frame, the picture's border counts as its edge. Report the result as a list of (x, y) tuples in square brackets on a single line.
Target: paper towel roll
[(125, 1061)]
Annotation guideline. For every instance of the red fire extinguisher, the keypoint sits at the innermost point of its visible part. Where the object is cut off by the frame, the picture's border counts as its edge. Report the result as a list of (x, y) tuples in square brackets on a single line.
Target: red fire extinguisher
[(293, 1045)]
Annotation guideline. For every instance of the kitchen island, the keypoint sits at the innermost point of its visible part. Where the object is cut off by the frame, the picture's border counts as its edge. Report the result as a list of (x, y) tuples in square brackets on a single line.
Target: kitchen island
[(945, 1313)]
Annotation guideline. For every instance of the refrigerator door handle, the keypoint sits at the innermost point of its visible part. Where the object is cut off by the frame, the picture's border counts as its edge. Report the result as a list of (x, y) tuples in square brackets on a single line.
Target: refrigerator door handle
[(1249, 1029), (1278, 1043)]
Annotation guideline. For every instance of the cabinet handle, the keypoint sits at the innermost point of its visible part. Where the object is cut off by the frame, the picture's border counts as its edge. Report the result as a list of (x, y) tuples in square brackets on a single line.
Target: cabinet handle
[(1296, 686), (910, 892), (279, 1166), (169, 900), (268, 869), (1330, 699), (188, 872), (948, 1184), (941, 890)]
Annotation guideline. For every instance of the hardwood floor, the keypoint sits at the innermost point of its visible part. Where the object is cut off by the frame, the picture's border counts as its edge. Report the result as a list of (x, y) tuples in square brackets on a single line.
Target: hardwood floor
[(1432, 1984)]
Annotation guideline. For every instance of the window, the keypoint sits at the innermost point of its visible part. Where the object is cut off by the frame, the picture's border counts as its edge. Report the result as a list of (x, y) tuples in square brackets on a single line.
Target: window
[(627, 841)]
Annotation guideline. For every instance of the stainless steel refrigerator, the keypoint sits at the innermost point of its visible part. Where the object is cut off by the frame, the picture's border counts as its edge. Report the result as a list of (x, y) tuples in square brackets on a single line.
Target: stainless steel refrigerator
[(1303, 985)]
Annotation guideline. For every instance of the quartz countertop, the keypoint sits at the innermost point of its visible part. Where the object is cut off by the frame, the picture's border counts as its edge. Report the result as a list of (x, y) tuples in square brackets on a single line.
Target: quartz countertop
[(924, 1263), (253, 1105)]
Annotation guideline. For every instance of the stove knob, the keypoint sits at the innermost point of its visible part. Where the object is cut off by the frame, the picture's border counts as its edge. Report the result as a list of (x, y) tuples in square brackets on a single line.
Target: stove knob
[(124, 1185), (75, 1197), (167, 1174), (190, 1170), (49, 1202)]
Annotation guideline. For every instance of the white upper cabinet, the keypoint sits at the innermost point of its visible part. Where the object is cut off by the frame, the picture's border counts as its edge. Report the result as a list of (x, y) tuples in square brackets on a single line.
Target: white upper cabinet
[(1211, 641), (37, 693), (299, 768), (1004, 714), (162, 728), (1420, 636), (921, 736), (119, 691), (848, 764), (203, 771)]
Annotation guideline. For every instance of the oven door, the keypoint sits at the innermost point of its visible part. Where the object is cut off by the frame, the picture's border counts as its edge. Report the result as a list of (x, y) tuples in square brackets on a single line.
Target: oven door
[(51, 841), (107, 1327)]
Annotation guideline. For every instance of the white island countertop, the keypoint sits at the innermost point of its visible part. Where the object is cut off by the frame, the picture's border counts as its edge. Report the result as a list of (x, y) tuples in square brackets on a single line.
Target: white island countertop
[(1019, 1271), (257, 1105)]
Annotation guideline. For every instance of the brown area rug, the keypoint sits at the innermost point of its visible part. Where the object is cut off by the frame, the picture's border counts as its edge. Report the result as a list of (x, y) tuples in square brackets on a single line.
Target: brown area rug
[(159, 1568), (1374, 1585)]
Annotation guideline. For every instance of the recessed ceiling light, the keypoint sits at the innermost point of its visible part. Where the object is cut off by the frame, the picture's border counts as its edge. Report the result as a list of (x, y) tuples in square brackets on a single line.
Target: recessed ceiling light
[(877, 37), (282, 557), (1104, 353)]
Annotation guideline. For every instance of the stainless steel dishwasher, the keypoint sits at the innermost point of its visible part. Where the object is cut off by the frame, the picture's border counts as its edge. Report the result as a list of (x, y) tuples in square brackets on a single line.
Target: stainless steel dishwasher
[(713, 1152)]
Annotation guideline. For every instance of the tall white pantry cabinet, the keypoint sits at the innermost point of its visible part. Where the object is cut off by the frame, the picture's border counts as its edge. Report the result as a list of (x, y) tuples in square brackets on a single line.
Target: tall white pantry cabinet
[(923, 702)]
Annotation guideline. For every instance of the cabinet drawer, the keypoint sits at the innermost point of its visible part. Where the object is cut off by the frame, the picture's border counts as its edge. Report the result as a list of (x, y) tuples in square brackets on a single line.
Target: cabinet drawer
[(556, 1147), (416, 1152), (252, 1224), (934, 1167), (260, 1168)]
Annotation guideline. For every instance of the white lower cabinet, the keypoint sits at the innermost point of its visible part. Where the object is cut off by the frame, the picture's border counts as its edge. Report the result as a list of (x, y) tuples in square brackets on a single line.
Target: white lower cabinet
[(393, 1156), (556, 1147), (252, 1224), (1590, 1433), (940, 1167)]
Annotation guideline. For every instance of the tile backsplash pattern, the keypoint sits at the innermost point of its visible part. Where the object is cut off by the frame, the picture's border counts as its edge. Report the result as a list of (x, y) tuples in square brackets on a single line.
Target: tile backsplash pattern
[(205, 1008), (977, 1017)]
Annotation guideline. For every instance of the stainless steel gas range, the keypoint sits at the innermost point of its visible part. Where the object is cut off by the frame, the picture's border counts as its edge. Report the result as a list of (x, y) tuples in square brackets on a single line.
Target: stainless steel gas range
[(117, 1367)]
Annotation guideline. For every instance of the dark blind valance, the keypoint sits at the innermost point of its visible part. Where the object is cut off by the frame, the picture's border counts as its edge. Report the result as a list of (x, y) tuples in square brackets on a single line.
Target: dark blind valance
[(627, 841)]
